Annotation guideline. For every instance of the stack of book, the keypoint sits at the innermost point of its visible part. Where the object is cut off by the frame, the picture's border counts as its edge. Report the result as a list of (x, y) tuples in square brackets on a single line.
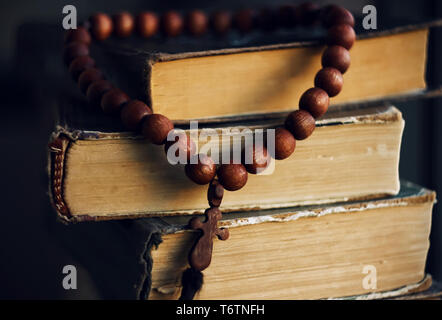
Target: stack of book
[(331, 221)]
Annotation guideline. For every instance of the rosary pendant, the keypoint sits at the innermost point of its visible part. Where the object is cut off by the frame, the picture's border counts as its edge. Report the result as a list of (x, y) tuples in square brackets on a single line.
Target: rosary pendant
[(201, 254)]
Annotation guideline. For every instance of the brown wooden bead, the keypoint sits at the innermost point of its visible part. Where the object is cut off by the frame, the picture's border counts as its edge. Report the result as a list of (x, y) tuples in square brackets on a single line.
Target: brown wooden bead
[(341, 35), (79, 64), (156, 127), (96, 91), (285, 144), (172, 23), (221, 22), (202, 172), (300, 123), (124, 24), (133, 113), (87, 77), (286, 16), (78, 35), (338, 15), (244, 20), (215, 193), (330, 80), (184, 145), (267, 19), (74, 50), (232, 176), (147, 24), (101, 26), (336, 57), (315, 101), (256, 159), (307, 13), (196, 22), (113, 100)]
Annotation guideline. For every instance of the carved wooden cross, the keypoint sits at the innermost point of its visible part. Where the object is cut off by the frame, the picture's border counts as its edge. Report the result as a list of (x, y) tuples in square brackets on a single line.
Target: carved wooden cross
[(201, 254)]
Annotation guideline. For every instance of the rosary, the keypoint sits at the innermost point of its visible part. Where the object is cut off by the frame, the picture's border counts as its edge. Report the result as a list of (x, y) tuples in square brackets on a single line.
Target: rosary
[(139, 117)]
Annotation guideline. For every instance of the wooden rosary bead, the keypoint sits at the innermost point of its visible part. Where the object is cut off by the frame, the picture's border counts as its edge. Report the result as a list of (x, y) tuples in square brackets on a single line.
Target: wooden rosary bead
[(101, 26), (133, 113), (147, 24), (74, 50), (87, 77), (221, 22), (307, 13), (259, 159), (285, 144), (232, 176), (244, 20), (172, 23), (113, 100), (156, 127), (300, 123), (202, 172), (196, 22), (78, 35), (124, 24), (330, 80), (315, 101), (215, 193), (341, 35), (267, 19), (338, 15), (96, 91), (185, 145), (336, 57), (286, 16), (79, 64)]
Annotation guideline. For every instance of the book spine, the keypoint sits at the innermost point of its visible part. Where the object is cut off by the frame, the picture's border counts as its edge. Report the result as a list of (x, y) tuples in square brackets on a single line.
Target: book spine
[(58, 145), (56, 158)]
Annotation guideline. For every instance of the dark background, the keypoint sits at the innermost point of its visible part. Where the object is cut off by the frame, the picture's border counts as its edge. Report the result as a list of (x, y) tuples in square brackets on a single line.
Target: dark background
[(33, 246)]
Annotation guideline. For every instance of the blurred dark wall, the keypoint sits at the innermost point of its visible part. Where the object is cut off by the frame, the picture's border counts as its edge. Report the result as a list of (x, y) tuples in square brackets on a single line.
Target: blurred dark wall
[(31, 256)]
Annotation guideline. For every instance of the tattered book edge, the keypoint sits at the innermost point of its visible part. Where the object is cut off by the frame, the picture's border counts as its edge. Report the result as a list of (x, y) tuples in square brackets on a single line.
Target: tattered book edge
[(164, 57), (426, 288), (379, 115), (247, 218), (421, 286)]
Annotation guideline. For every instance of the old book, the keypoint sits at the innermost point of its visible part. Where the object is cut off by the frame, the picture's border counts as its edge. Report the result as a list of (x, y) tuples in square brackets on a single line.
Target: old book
[(262, 75), (353, 154), (323, 251)]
